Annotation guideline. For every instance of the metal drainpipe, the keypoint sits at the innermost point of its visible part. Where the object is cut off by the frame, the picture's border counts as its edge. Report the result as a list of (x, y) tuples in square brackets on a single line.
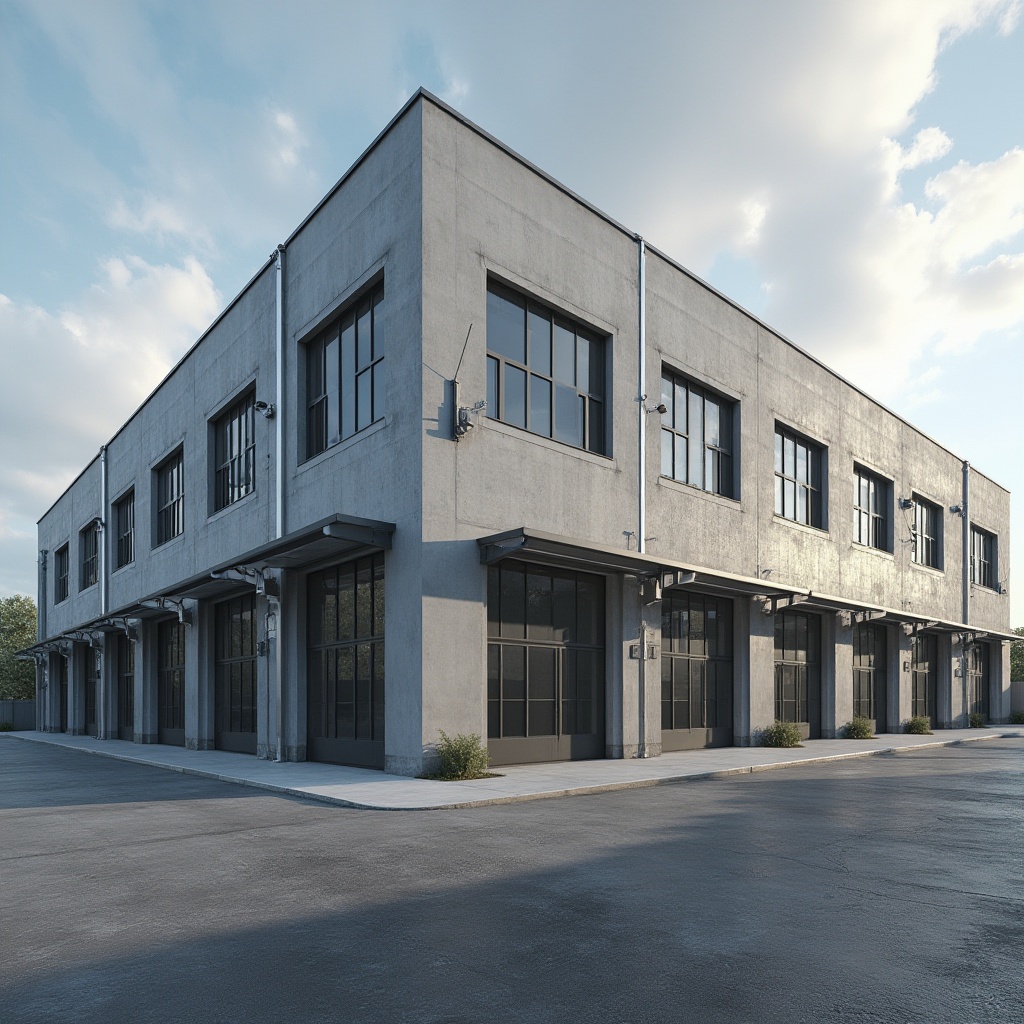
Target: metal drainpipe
[(103, 530), (965, 534), (279, 496), (641, 749), (41, 605)]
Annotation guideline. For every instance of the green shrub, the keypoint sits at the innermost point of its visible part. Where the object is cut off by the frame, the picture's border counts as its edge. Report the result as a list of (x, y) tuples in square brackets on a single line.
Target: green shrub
[(859, 728), (1017, 718), (461, 757), (6, 727), (920, 725), (781, 734), (976, 720)]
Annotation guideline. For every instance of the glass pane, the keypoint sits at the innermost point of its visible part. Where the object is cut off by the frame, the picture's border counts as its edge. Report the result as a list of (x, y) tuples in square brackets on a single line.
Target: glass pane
[(666, 452), (364, 337), (506, 327), (513, 603), (801, 462), (789, 456), (595, 424), (565, 355), (564, 610), (514, 406), (790, 510), (589, 610), (348, 381), (364, 400), (568, 416), (582, 363), (596, 368), (695, 472), (332, 356), (712, 422), (667, 391), (539, 608), (540, 342), (540, 405)]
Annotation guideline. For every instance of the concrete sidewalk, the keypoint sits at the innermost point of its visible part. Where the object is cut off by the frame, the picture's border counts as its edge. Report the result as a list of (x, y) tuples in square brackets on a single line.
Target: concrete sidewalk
[(365, 788)]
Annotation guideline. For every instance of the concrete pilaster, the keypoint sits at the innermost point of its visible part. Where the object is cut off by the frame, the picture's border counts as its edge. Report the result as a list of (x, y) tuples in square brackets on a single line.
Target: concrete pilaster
[(901, 702), (285, 624), (999, 687), (106, 689), (742, 611), (76, 687), (761, 658), (199, 689), (841, 664), (146, 720), (945, 679)]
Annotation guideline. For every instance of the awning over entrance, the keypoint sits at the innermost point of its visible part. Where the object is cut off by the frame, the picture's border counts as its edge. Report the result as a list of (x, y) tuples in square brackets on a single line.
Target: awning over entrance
[(337, 536), (533, 545)]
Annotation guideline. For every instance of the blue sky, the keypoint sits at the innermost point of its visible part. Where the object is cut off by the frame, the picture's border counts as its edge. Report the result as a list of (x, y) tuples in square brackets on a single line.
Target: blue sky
[(852, 172)]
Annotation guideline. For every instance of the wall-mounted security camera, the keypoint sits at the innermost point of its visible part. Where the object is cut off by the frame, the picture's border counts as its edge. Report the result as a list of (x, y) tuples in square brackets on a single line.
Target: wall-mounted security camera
[(266, 408)]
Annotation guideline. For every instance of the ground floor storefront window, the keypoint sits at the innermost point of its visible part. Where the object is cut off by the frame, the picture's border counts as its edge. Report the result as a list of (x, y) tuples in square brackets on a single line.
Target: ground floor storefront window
[(870, 694), (545, 664), (977, 680), (798, 671), (235, 674), (345, 663), (923, 667), (696, 671), (171, 682)]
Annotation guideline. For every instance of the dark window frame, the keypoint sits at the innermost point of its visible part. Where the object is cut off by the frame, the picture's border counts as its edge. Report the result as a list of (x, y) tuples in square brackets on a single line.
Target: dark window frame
[(234, 452), (344, 377), (984, 558), (61, 573), (124, 527), (88, 556), (793, 484), (927, 533), (545, 395), (169, 490), (872, 509), (715, 466)]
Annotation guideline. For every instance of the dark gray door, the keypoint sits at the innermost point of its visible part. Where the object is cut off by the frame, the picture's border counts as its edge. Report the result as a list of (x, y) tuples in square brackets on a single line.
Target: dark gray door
[(924, 671), (125, 688), (235, 674), (91, 679), (798, 671), (977, 680), (870, 690), (171, 683)]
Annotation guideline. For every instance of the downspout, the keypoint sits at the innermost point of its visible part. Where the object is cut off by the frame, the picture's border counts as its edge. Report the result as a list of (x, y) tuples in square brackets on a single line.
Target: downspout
[(279, 496), (642, 397), (102, 527), (41, 603), (42, 711), (965, 534), (641, 412)]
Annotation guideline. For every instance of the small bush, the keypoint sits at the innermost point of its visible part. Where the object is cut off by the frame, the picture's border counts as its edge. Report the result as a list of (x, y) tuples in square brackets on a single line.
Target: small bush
[(859, 728), (781, 734), (461, 757), (1017, 718), (6, 727), (920, 725), (976, 720)]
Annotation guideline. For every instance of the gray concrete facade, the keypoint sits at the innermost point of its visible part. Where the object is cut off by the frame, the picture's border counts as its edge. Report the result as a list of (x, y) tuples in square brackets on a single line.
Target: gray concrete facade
[(437, 212)]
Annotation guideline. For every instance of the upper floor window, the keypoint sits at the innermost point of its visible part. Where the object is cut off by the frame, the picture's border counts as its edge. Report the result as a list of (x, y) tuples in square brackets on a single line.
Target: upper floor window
[(696, 435), (545, 372), (799, 467), (344, 380), (170, 498), (61, 566), (871, 509), (927, 540), (124, 526), (234, 443), (89, 550), (983, 558)]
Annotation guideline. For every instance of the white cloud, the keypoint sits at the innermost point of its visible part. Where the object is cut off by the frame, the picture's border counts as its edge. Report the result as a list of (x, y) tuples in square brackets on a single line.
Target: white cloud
[(929, 145), (81, 372)]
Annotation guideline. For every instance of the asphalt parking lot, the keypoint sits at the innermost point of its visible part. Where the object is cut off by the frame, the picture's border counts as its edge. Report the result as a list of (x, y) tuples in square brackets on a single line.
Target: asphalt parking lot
[(885, 889)]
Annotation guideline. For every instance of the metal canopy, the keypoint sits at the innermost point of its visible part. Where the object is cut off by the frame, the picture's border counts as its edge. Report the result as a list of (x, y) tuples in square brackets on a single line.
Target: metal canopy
[(548, 548), (551, 548)]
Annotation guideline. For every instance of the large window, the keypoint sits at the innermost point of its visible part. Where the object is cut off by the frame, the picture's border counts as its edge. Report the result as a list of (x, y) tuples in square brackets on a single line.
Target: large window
[(696, 671), (871, 505), (696, 435), (545, 372), (869, 659), (983, 558), (171, 682), (346, 663), (924, 669), (977, 679), (235, 674), (799, 467), (234, 455), (170, 498), (927, 538), (545, 663), (89, 551), (124, 524), (798, 671), (344, 375), (60, 574)]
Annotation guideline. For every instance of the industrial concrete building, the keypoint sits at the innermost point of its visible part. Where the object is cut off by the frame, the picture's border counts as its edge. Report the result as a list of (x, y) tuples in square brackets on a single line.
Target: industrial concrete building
[(467, 454)]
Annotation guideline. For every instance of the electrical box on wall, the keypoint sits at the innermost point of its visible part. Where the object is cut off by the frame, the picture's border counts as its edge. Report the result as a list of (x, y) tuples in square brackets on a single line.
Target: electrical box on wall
[(637, 653)]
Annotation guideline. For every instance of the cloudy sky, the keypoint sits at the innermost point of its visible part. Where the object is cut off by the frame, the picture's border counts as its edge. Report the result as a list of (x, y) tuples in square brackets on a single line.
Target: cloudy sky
[(852, 172)]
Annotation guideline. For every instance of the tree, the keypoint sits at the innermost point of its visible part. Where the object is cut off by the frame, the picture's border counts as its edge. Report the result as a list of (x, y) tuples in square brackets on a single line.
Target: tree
[(1017, 657), (17, 631)]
